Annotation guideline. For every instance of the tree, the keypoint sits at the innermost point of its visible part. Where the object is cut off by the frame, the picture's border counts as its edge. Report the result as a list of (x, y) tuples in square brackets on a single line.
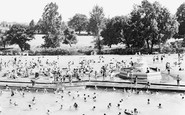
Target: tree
[(78, 22), (96, 23), (32, 27), (19, 34), (70, 37), (32, 24), (39, 27), (113, 31), (108, 34), (51, 23), (3, 41), (154, 22), (180, 14)]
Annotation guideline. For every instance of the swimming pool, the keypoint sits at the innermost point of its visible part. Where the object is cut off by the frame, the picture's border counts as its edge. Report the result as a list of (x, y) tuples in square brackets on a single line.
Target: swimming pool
[(172, 103)]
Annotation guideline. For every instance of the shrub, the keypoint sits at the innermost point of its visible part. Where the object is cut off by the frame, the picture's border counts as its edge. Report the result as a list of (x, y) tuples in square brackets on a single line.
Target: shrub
[(85, 50), (51, 51)]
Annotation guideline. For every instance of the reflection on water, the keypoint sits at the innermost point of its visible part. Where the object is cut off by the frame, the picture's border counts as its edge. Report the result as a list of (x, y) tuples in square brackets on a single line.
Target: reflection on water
[(172, 103)]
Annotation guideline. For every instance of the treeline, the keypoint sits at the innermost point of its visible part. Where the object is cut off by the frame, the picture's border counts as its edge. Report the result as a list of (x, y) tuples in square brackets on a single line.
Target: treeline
[(147, 25)]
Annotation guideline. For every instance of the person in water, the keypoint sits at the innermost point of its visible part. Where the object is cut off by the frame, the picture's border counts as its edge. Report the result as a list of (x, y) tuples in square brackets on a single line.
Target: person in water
[(61, 107), (12, 93), (29, 106), (93, 108), (159, 106), (75, 105), (48, 112)]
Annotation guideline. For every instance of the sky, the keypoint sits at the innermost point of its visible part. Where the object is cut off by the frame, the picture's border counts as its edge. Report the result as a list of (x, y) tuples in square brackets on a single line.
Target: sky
[(23, 11)]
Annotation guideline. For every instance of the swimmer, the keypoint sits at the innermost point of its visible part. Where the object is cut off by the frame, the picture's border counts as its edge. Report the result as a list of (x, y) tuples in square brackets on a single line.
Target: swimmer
[(121, 100), (119, 113), (15, 104), (48, 112), (114, 89), (93, 108), (23, 94), (135, 111), (159, 106), (45, 90), (7, 87), (118, 105), (69, 93), (61, 106), (33, 101), (94, 98), (27, 88), (62, 97), (12, 93), (109, 105), (75, 105), (29, 106), (10, 101), (85, 100), (63, 89), (148, 101)]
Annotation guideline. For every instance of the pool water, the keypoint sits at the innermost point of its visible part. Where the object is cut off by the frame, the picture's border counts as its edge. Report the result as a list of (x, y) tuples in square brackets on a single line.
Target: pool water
[(172, 103)]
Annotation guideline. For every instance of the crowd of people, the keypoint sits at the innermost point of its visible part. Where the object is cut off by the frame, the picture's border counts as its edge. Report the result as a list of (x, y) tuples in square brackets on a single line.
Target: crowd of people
[(20, 67), (42, 67)]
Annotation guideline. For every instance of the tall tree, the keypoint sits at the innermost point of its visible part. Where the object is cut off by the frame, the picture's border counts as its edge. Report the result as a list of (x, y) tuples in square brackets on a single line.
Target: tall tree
[(155, 22), (32, 24), (115, 31), (39, 27), (51, 25), (3, 39), (96, 23), (19, 34), (78, 22), (180, 14)]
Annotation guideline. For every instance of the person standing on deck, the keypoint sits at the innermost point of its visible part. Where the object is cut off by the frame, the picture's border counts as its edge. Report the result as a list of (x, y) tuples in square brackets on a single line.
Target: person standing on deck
[(135, 80), (103, 72), (178, 80), (168, 67), (32, 82)]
